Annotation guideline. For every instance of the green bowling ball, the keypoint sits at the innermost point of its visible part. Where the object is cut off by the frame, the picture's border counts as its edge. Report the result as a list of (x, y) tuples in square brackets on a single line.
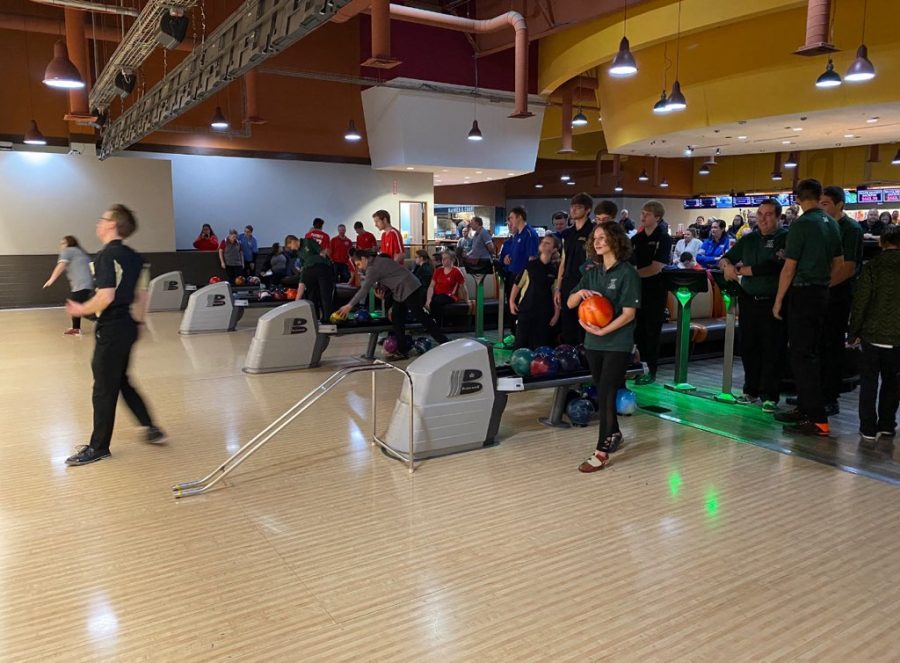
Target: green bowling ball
[(509, 341), (521, 362)]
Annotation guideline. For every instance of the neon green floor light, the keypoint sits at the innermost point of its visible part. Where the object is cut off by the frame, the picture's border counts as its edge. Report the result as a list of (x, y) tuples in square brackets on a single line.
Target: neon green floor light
[(682, 340), (725, 396)]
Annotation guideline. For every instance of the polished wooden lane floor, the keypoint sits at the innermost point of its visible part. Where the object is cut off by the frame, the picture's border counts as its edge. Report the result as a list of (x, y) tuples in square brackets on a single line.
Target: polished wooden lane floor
[(690, 547)]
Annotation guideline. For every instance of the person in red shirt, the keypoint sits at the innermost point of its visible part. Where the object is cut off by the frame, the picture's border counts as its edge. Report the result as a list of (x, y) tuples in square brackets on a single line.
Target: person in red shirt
[(319, 235), (340, 254), (391, 240), (206, 240), (448, 285), (365, 241)]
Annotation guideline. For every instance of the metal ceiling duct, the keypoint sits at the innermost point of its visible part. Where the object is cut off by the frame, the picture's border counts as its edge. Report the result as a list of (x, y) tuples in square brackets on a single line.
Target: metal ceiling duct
[(137, 46), (255, 32), (93, 7)]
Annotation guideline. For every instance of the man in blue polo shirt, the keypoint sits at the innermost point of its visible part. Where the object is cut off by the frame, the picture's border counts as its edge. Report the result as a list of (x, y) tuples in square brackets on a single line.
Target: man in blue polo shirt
[(250, 249), (518, 249)]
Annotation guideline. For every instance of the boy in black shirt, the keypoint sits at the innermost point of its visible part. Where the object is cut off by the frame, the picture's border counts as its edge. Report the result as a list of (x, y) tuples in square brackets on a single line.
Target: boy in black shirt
[(574, 240), (121, 279), (536, 310)]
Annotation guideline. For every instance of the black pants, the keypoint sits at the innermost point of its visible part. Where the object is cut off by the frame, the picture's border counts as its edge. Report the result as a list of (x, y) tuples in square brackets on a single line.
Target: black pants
[(112, 353), (509, 320), (533, 328), (341, 272), (570, 332), (608, 373), (415, 304), (79, 296), (649, 320), (319, 283), (233, 271), (763, 346), (834, 336), (438, 302), (878, 363), (805, 318)]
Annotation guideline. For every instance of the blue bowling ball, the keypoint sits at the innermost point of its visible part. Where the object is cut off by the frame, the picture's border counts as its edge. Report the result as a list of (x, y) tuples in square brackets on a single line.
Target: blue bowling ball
[(569, 363), (543, 351), (626, 402), (362, 315), (423, 344), (565, 351), (589, 392), (580, 411)]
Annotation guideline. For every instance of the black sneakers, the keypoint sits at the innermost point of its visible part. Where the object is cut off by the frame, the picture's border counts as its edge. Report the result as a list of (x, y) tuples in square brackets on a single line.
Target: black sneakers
[(807, 427), (86, 454), (155, 435), (790, 416)]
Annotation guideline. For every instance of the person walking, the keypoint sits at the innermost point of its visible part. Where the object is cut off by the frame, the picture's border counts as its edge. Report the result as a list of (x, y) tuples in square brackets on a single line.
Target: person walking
[(120, 303), (77, 265)]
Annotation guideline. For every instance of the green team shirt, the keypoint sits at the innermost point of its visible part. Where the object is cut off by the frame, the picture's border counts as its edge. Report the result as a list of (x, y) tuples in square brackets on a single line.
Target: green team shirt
[(621, 285), (765, 255), (813, 240), (852, 242)]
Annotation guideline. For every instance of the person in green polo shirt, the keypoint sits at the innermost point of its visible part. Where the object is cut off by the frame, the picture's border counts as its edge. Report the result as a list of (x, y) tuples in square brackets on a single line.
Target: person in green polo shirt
[(755, 262), (608, 348), (813, 257), (840, 295)]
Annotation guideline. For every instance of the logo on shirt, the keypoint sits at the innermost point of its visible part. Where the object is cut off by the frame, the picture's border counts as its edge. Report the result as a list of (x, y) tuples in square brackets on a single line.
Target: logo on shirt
[(612, 284), (465, 381), (295, 326)]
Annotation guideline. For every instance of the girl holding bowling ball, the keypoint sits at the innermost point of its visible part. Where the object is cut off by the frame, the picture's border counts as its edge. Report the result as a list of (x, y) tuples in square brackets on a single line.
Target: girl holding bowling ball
[(608, 346)]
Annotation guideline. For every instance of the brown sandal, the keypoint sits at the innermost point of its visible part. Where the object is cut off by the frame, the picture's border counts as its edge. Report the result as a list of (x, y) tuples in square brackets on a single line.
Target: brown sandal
[(595, 463)]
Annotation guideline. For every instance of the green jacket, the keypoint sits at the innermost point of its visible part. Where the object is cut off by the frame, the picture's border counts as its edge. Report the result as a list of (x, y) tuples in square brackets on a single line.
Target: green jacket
[(874, 318)]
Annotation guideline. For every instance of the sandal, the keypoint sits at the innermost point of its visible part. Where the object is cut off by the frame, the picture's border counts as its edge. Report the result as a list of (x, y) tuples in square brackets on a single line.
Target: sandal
[(594, 463)]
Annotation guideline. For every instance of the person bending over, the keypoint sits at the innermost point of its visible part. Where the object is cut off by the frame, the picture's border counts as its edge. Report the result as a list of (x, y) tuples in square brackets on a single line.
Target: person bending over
[(608, 348), (408, 295), (531, 298)]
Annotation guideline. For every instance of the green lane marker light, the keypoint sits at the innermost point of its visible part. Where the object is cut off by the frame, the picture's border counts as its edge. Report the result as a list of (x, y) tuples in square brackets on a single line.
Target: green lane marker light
[(682, 340), (712, 502), (675, 482), (725, 396), (479, 307)]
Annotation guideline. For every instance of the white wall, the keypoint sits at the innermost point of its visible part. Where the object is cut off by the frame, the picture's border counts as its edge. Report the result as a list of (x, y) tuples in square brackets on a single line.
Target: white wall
[(45, 195), (279, 197)]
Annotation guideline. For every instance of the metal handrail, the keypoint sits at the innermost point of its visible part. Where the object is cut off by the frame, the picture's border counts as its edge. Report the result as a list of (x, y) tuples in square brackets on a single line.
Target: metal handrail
[(200, 486)]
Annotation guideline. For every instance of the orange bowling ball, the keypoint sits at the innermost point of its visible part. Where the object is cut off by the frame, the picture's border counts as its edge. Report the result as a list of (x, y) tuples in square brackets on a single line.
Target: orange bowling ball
[(291, 293), (596, 310)]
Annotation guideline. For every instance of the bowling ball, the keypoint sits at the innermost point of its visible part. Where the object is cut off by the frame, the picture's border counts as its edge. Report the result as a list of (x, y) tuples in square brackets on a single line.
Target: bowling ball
[(543, 351), (521, 362), (509, 341), (214, 279), (580, 411), (423, 344), (278, 296), (564, 350), (626, 402), (264, 295), (252, 280), (569, 363), (589, 392), (335, 317), (596, 310), (582, 356), (362, 315), (290, 293), (240, 280), (544, 366), (391, 344)]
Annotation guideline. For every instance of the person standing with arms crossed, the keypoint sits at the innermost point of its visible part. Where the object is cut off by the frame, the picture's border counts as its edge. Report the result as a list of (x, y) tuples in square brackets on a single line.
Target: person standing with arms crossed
[(121, 279), (755, 262), (840, 296), (391, 240), (574, 241), (813, 258), (652, 251)]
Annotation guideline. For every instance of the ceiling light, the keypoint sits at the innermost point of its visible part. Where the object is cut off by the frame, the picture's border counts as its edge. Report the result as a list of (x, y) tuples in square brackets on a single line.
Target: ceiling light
[(797, 129), (742, 138), (704, 170), (218, 120), (352, 134), (172, 29), (538, 186), (478, 172), (34, 136), (862, 68), (410, 168), (623, 65), (475, 132), (676, 101), (873, 120), (664, 184), (776, 176), (830, 78), (849, 136), (643, 177), (570, 183), (785, 142), (618, 187), (579, 120), (661, 106), (688, 151), (791, 161), (510, 174), (61, 73), (565, 178), (896, 160)]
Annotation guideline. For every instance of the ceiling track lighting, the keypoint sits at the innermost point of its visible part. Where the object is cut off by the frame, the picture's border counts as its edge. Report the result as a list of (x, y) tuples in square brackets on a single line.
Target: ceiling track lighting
[(688, 151), (61, 73), (34, 136), (475, 134), (624, 65), (219, 121), (352, 135)]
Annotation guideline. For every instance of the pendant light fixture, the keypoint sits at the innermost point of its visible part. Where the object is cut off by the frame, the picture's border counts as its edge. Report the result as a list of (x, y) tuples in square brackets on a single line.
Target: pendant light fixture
[(776, 169), (791, 161), (623, 65), (896, 160), (219, 121), (475, 134), (830, 78), (352, 135), (643, 177), (618, 188), (34, 136), (676, 101), (711, 161), (664, 184), (580, 119), (861, 69), (61, 73), (704, 170), (661, 107)]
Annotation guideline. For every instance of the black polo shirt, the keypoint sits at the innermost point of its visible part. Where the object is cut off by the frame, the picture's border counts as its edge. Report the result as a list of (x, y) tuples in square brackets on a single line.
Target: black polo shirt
[(574, 247), (120, 267), (647, 249)]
